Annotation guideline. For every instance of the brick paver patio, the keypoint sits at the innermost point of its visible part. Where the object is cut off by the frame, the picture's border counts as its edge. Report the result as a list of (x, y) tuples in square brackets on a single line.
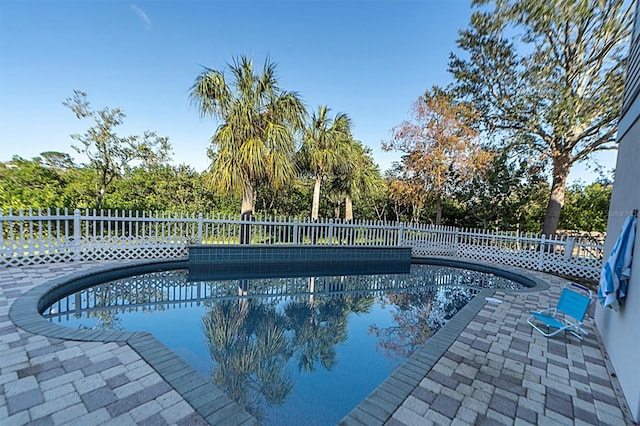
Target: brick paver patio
[(486, 366)]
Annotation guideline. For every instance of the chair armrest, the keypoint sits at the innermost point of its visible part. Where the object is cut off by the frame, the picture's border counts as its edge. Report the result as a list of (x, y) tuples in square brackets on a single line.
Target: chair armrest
[(544, 311)]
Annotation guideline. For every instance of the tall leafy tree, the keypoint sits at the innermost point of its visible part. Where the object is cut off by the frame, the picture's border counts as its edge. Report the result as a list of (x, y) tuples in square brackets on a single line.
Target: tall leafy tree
[(547, 77), (440, 148), (292, 200), (506, 196), (254, 143), (587, 207), (80, 189), (325, 144), (161, 188), (380, 201), (110, 155), (406, 191)]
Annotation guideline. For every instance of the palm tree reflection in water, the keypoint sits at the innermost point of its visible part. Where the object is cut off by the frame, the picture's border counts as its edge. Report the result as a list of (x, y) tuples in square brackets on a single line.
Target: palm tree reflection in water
[(247, 341), (252, 340)]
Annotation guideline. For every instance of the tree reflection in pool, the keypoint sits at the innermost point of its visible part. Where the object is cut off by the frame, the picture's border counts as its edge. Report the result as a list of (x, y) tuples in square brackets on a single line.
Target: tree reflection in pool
[(291, 350)]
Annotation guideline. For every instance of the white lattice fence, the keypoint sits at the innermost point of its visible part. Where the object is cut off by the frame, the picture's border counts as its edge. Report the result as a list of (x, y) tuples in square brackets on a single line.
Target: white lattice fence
[(39, 237), (565, 256), (575, 267), (528, 259), (30, 238)]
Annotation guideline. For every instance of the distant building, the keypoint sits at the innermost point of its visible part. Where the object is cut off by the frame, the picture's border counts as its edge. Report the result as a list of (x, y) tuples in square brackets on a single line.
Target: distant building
[(620, 331)]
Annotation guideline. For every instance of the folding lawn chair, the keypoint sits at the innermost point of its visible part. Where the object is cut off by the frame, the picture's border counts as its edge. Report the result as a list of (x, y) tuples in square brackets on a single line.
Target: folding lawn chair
[(568, 313)]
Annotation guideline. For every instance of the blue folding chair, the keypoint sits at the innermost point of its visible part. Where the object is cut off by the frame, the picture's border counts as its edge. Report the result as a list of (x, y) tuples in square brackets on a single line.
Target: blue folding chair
[(568, 314)]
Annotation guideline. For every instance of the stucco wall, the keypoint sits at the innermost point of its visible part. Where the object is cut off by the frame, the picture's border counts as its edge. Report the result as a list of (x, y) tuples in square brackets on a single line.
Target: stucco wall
[(621, 330)]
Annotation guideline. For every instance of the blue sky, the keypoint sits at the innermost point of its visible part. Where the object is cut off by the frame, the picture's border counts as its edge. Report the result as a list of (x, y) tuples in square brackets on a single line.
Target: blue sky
[(368, 58)]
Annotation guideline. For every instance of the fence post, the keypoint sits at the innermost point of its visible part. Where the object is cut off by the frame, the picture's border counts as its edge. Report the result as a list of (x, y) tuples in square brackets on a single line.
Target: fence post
[(400, 235), (77, 236), (200, 223), (295, 231), (543, 248), (330, 231), (569, 244)]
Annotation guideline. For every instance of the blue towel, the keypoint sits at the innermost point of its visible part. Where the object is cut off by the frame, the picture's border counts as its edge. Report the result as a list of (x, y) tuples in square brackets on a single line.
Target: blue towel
[(615, 275)]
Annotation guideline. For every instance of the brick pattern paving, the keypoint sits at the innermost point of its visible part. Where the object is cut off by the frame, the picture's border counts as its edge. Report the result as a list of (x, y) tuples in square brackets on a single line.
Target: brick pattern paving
[(501, 371), (496, 371), (50, 381)]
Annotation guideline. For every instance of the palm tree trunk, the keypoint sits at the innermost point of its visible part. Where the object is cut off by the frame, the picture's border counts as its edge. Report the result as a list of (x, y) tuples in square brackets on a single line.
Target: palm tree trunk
[(348, 215), (315, 206), (246, 214), (561, 169), (348, 208), (438, 209), (247, 202)]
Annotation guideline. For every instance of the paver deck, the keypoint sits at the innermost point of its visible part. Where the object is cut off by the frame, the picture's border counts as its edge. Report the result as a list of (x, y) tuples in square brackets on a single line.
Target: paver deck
[(487, 367)]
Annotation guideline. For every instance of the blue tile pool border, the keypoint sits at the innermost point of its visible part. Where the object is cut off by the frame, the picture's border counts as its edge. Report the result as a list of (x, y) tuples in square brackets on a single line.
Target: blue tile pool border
[(293, 254)]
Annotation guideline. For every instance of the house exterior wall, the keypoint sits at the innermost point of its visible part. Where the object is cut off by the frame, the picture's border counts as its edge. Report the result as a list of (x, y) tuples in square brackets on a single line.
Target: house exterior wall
[(620, 331)]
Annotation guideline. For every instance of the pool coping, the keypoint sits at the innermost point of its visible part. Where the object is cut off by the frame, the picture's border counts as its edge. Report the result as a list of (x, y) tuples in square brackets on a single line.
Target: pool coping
[(211, 402)]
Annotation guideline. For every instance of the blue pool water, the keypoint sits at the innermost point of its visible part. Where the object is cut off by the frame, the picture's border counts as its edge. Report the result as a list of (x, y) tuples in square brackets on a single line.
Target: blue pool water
[(291, 349)]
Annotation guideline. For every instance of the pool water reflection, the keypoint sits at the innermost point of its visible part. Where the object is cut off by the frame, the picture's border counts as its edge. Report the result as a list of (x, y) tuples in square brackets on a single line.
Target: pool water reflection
[(291, 350)]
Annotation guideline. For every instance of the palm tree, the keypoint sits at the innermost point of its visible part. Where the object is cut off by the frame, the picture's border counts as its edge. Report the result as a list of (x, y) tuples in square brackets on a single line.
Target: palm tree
[(356, 174), (323, 140), (255, 142)]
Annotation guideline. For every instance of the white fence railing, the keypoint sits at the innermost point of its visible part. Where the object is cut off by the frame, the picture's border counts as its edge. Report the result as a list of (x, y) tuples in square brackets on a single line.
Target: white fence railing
[(37, 237)]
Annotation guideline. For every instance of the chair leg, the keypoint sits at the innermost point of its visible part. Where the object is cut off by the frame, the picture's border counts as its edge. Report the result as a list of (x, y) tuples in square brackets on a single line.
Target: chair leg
[(576, 334)]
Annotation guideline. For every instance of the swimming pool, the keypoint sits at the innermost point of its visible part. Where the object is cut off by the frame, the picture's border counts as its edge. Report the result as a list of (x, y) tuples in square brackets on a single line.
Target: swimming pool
[(287, 347)]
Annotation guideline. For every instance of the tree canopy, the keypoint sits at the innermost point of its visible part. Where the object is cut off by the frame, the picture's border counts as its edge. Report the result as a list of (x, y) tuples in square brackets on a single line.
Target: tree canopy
[(110, 155), (440, 149), (264, 156), (255, 141), (547, 78), (356, 176)]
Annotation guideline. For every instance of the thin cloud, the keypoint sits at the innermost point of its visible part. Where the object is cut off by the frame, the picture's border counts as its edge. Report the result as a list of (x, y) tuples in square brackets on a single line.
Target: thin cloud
[(142, 15)]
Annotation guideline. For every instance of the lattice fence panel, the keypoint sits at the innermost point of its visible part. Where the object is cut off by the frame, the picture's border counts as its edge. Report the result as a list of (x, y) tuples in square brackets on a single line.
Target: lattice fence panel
[(528, 259), (35, 252), (552, 262), (119, 248), (575, 267), (433, 249)]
